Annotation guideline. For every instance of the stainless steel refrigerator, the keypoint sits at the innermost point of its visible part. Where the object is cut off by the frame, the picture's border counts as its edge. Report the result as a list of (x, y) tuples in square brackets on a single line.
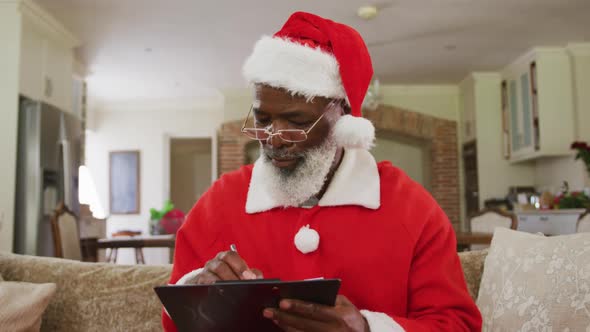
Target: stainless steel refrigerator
[(47, 172)]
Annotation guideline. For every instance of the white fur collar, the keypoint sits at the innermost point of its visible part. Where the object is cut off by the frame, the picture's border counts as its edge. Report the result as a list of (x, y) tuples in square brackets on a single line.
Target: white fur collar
[(356, 182)]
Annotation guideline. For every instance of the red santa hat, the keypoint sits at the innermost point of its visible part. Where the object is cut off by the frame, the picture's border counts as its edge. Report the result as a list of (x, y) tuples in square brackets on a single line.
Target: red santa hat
[(312, 56)]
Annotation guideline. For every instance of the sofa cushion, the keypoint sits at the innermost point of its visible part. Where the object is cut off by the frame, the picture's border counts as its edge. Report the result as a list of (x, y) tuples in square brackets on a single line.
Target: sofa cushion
[(22, 305), (472, 263), (536, 283), (93, 296)]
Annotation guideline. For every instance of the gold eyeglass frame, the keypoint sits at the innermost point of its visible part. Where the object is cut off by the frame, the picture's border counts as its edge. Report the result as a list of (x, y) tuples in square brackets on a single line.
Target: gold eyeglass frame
[(266, 130)]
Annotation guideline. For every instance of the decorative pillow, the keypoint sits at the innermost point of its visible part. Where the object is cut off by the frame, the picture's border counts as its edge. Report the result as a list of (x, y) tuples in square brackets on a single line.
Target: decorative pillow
[(536, 283), (22, 305)]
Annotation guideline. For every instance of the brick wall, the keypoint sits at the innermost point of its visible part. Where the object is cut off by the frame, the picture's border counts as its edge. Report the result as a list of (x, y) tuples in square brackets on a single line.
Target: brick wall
[(232, 146), (441, 135)]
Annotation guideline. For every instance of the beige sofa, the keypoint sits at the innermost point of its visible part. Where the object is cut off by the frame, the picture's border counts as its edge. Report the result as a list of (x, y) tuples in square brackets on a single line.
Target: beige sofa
[(106, 297)]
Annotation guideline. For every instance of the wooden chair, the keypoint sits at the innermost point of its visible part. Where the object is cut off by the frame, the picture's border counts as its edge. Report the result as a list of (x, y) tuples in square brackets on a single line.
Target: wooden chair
[(486, 221), (66, 235), (583, 225)]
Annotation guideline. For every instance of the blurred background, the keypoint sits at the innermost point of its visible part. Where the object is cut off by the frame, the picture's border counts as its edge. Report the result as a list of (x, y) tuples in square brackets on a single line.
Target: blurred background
[(127, 110)]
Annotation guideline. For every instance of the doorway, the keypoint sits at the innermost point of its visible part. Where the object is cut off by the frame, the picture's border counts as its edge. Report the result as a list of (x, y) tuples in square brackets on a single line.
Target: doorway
[(412, 155), (471, 178), (190, 170)]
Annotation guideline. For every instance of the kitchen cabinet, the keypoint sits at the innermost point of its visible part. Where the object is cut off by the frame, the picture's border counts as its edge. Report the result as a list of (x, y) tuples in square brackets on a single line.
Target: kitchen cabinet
[(46, 58), (537, 105)]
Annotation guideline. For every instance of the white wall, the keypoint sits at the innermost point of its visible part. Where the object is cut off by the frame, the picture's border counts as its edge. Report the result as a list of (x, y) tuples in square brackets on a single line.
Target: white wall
[(10, 25), (412, 156), (441, 101), (467, 109), (551, 172), (581, 70), (148, 130), (555, 100), (237, 102)]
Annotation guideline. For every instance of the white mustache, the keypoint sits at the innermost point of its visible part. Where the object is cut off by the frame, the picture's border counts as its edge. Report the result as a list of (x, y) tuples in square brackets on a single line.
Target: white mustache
[(281, 153)]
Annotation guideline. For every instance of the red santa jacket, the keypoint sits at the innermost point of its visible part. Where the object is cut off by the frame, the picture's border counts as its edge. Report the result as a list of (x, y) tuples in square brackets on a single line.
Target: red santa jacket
[(380, 232)]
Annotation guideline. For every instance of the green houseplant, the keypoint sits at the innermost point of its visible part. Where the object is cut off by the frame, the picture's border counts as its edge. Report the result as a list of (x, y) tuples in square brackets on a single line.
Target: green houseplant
[(157, 215)]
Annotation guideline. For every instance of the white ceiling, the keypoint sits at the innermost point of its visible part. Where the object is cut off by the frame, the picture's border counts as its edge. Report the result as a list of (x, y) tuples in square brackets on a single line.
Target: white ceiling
[(197, 47)]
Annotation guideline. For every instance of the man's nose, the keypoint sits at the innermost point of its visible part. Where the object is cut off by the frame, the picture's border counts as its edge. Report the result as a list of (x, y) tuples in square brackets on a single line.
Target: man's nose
[(275, 140)]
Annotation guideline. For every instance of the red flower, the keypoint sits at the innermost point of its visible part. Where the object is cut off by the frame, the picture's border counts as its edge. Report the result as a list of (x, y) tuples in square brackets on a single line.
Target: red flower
[(580, 145), (172, 221)]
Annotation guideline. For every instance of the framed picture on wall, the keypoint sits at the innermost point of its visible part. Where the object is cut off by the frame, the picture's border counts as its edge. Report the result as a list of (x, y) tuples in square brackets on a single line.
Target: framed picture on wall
[(124, 182)]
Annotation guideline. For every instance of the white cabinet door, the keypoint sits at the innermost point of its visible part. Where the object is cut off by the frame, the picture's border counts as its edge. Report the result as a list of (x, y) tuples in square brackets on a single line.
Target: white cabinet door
[(57, 78), (521, 117), (540, 104), (31, 63), (46, 67), (526, 112), (515, 132)]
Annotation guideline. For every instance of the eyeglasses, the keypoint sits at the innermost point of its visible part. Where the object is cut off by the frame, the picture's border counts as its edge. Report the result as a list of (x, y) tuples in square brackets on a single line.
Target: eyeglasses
[(287, 135)]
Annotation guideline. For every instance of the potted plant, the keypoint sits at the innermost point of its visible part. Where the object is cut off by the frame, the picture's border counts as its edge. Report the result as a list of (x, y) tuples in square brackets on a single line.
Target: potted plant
[(571, 200), (167, 220), (583, 153)]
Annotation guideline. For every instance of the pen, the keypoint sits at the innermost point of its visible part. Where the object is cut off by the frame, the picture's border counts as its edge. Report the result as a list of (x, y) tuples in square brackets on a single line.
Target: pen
[(246, 274)]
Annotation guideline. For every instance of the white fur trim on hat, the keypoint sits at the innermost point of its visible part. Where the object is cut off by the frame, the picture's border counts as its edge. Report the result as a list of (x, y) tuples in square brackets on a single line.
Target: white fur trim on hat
[(354, 133), (303, 70)]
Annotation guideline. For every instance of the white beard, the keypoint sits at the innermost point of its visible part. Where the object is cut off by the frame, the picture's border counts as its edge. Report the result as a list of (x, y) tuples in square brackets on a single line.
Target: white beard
[(295, 187)]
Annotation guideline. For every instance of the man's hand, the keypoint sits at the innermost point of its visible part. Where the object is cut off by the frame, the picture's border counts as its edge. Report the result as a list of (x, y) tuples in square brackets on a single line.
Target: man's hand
[(294, 315), (227, 265)]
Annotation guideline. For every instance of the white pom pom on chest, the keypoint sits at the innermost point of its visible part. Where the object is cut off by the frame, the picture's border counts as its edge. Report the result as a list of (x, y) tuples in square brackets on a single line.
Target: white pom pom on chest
[(307, 240)]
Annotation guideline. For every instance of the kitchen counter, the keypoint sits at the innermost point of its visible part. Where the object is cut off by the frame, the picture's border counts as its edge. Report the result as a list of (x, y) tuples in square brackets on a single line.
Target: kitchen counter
[(549, 222), (546, 212)]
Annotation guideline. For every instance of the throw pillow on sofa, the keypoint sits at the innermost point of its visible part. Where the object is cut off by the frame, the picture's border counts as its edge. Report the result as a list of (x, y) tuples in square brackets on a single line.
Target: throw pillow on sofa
[(22, 305), (536, 283)]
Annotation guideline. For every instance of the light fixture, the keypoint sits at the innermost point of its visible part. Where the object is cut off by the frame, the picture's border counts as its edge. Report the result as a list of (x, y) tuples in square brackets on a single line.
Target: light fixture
[(373, 96), (87, 193), (367, 12)]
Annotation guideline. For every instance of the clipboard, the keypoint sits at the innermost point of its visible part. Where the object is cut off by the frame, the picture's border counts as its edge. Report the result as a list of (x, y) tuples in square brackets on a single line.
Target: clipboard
[(238, 305)]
